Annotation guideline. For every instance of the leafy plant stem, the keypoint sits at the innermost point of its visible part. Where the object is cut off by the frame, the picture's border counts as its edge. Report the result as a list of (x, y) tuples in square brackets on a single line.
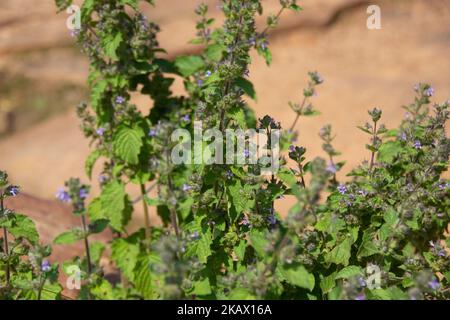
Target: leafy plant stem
[(146, 213)]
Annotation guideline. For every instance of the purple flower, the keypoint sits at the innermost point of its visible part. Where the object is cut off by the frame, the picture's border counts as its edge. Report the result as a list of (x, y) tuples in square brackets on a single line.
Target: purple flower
[(362, 282), (13, 190), (120, 100), (433, 284), (429, 92), (271, 219), (63, 195), (263, 45), (229, 174), (208, 74), (194, 236), (102, 178), (342, 189), (186, 118), (74, 33), (362, 192), (441, 253), (199, 82), (417, 144), (153, 132), (291, 148), (361, 297), (245, 222), (403, 136), (246, 153), (46, 266), (83, 193), (186, 187), (444, 185), (100, 131), (331, 168)]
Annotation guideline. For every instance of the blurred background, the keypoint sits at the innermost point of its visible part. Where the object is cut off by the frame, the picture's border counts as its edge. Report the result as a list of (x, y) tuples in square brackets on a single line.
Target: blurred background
[(43, 77)]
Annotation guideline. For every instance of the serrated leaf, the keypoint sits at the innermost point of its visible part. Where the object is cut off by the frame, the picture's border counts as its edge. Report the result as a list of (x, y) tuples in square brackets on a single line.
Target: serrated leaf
[(259, 241), (348, 272), (188, 65), (68, 237), (24, 227), (111, 44), (247, 86), (341, 253), (115, 205), (299, 276), (125, 255), (367, 247), (389, 150), (127, 143), (215, 52), (90, 162)]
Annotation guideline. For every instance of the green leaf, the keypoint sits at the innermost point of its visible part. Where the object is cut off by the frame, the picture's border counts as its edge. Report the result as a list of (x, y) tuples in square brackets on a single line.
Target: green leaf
[(95, 211), (201, 288), (24, 227), (188, 65), (259, 242), (90, 162), (299, 276), (127, 143), (388, 151), (349, 272), (111, 44), (214, 52), (341, 253), (69, 237), (247, 86), (131, 3), (367, 247), (328, 283), (237, 114), (96, 249), (146, 281), (115, 205), (125, 255), (390, 217), (201, 247)]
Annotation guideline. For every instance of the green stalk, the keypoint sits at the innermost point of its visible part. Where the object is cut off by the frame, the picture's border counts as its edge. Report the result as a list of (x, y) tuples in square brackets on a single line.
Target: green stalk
[(5, 239), (146, 213)]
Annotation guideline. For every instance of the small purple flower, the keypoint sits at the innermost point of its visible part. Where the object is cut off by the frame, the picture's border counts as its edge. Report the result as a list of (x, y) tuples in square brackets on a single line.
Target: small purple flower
[(208, 74), (102, 178), (63, 195), (331, 168), (46, 266), (186, 118), (186, 187), (153, 132), (246, 153), (74, 33), (246, 222), (403, 136), (100, 131), (120, 100), (433, 284), (271, 219), (361, 297), (194, 236), (444, 185), (362, 282), (429, 92), (83, 193), (263, 45), (13, 190), (291, 148), (362, 192), (441, 253), (417, 144), (229, 174), (342, 189), (199, 82)]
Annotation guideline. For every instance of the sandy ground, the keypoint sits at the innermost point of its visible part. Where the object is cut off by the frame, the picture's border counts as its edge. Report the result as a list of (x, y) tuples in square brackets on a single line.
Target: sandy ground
[(362, 69)]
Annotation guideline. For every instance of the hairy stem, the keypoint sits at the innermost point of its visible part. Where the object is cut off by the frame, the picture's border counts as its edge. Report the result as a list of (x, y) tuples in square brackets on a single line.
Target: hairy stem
[(374, 136), (5, 239), (146, 213), (86, 245)]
